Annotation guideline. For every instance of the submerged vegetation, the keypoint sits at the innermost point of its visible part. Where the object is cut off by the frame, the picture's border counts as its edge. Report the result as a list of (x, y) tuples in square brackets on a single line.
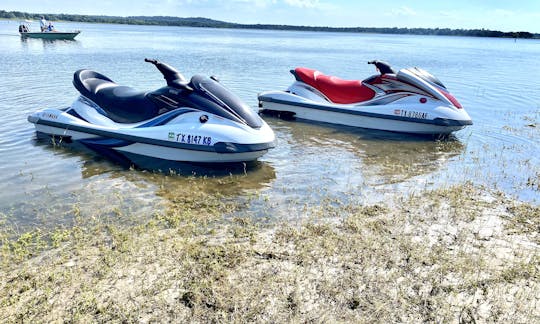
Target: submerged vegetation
[(460, 254), (205, 22)]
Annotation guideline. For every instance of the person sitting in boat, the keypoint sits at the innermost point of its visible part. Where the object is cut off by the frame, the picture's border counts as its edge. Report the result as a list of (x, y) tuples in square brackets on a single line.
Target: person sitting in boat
[(43, 24), (50, 27)]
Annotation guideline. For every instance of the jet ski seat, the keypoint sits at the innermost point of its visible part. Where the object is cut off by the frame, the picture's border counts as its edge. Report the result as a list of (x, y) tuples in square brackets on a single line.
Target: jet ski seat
[(122, 104), (335, 89)]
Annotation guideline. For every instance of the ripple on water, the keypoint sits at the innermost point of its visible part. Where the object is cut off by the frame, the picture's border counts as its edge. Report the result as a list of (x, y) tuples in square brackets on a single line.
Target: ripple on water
[(310, 162)]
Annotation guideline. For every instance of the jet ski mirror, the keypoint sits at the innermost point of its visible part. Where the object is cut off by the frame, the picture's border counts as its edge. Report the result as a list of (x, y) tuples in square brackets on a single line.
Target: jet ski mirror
[(215, 78)]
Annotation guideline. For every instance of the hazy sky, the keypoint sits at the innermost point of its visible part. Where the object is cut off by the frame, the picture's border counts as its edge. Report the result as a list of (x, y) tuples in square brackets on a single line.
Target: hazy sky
[(505, 15)]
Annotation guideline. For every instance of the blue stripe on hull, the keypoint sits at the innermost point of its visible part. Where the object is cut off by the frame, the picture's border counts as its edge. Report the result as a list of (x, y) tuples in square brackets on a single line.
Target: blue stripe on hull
[(165, 118), (219, 147), (436, 121), (106, 147), (106, 142)]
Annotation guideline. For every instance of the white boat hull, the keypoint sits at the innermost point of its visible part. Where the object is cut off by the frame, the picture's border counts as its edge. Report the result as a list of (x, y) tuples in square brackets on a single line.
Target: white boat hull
[(198, 143), (154, 151), (346, 119), (403, 115)]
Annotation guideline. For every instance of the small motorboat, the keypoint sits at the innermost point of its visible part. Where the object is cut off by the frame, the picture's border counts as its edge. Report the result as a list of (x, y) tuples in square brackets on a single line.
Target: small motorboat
[(411, 101), (197, 121), (25, 32)]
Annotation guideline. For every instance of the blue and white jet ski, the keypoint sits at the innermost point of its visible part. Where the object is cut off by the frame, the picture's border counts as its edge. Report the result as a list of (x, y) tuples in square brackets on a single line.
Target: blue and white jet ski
[(411, 101), (197, 121)]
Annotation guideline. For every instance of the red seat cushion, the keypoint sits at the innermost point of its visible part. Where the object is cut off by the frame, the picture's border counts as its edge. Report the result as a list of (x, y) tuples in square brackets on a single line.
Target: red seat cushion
[(336, 89)]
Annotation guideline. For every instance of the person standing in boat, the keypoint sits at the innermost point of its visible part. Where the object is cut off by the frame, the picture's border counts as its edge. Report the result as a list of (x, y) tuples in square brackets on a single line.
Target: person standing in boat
[(43, 24)]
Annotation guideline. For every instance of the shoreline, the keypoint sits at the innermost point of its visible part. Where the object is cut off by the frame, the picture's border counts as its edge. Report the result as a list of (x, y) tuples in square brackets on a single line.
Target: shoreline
[(456, 254), (211, 23)]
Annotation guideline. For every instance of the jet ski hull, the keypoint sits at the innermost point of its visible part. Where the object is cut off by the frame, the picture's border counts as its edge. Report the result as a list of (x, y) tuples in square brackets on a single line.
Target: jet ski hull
[(184, 139), (394, 118)]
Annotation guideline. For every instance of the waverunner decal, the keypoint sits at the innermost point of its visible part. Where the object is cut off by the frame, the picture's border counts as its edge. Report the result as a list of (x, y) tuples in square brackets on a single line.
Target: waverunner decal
[(48, 115)]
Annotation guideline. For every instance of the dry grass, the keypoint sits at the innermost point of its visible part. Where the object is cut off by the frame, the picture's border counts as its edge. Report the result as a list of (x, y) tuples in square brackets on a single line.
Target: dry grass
[(454, 255)]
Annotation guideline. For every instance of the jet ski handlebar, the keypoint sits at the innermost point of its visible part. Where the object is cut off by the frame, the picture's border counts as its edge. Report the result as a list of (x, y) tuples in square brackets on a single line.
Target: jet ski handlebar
[(171, 75), (153, 61)]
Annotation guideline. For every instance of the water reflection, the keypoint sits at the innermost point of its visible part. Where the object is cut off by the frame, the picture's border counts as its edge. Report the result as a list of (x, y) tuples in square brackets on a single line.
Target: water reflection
[(382, 157), (92, 164), (48, 44), (398, 161), (210, 180), (320, 164), (148, 193), (103, 191)]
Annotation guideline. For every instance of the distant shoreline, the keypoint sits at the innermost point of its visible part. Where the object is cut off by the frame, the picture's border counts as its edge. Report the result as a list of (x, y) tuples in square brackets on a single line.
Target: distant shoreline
[(206, 22)]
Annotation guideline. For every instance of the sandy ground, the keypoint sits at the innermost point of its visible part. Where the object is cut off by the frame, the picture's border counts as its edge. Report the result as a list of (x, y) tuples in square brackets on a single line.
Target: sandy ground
[(455, 255)]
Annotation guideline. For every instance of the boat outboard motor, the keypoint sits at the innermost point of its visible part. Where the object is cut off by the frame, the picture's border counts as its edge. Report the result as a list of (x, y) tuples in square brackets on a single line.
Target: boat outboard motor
[(383, 67)]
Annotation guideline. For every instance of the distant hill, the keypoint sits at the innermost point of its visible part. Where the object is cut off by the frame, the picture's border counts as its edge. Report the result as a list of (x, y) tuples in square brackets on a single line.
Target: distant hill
[(206, 22)]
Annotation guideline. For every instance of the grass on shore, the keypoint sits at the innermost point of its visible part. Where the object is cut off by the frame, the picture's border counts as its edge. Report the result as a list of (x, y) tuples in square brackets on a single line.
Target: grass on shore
[(452, 255)]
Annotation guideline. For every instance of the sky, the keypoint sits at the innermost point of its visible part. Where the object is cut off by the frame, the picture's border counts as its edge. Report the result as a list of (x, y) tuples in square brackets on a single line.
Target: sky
[(503, 15)]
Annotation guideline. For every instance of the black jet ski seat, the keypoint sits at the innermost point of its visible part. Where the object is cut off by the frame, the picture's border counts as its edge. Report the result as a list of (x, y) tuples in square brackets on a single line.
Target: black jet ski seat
[(122, 104)]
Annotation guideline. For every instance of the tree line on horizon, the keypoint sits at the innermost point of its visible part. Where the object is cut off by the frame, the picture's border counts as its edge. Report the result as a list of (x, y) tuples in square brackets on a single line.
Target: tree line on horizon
[(206, 22)]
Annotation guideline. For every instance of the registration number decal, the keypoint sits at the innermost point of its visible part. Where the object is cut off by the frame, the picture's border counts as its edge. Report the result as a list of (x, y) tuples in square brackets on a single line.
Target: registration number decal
[(410, 114), (190, 138)]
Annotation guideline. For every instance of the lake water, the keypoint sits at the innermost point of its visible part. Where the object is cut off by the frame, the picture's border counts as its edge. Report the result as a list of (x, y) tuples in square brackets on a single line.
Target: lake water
[(494, 79)]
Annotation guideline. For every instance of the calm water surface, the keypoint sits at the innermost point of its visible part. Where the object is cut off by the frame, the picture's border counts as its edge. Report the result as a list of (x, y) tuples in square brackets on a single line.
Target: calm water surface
[(495, 80)]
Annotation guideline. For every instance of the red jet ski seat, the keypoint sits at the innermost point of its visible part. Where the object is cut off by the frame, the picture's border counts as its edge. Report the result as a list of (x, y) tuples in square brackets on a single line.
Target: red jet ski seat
[(337, 90)]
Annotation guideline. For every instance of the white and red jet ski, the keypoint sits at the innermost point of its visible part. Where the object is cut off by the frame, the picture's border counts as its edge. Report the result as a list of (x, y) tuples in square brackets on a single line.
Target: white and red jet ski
[(411, 101)]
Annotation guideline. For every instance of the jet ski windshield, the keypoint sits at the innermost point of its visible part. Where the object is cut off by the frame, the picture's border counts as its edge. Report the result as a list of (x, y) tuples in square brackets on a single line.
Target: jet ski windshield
[(226, 100)]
